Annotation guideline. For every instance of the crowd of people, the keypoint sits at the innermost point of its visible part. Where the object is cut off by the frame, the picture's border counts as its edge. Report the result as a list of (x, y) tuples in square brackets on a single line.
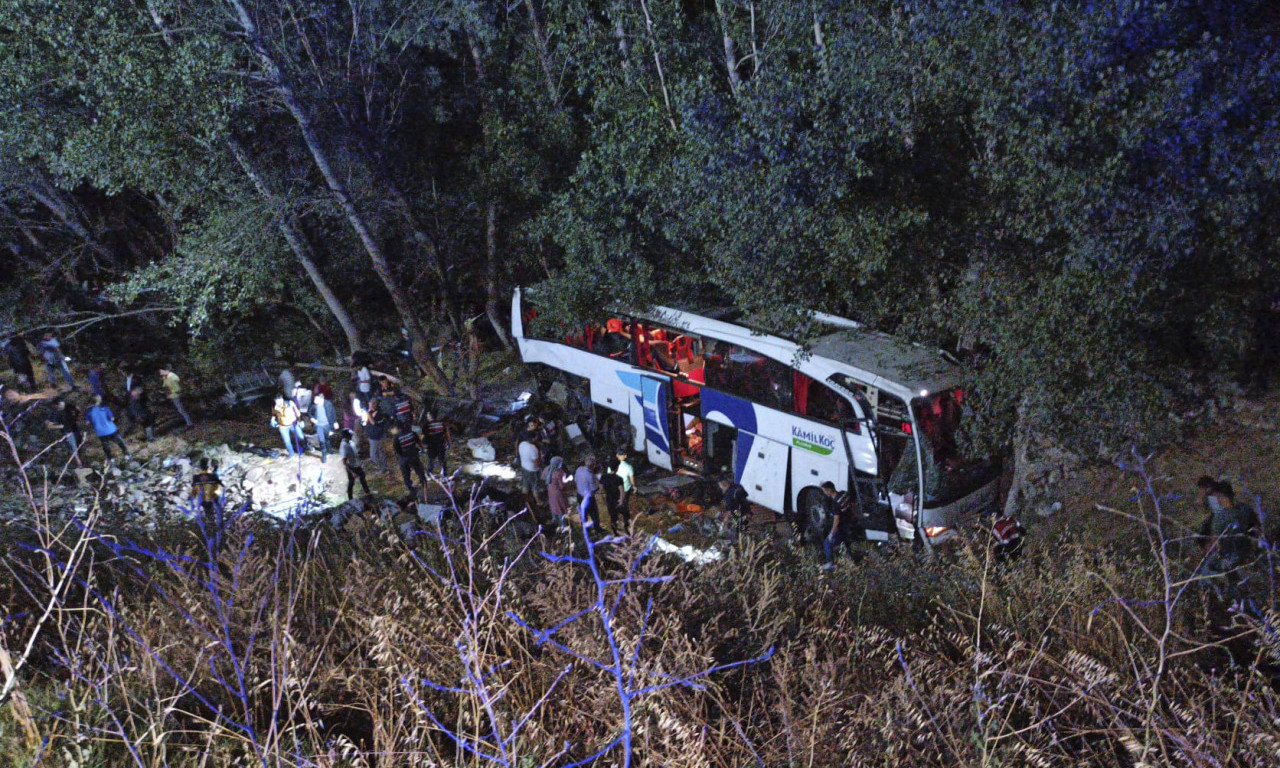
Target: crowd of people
[(65, 398), (545, 480), (376, 411)]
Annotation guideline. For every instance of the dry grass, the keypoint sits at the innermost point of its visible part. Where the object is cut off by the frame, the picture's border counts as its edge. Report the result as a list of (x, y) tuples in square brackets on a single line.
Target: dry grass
[(355, 648)]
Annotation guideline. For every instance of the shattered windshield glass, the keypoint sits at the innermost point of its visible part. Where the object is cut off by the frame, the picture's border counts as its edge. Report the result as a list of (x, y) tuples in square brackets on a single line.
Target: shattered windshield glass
[(949, 474)]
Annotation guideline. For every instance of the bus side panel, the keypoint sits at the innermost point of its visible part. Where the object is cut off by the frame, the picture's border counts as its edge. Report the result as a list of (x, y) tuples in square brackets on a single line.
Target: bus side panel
[(763, 471), (609, 379), (809, 469)]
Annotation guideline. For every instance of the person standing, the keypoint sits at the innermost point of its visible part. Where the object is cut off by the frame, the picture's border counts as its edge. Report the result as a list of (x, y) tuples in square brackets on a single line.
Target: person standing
[(839, 514), (355, 417), (68, 421), (206, 493), (614, 499), (325, 417), (140, 411), (409, 449), (55, 362), (287, 382), (734, 501), (104, 426), (584, 477), (19, 356), (555, 478), (173, 390), (403, 407), (628, 475), (530, 464), (96, 386), (351, 463), (376, 430), (435, 434), (363, 376), (303, 397), (285, 417)]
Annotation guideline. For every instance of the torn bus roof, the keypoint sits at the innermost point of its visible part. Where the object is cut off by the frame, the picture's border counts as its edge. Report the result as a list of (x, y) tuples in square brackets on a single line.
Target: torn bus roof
[(919, 368)]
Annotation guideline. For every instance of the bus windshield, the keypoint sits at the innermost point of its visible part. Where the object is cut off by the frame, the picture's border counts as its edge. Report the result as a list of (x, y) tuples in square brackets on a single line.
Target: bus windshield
[(953, 474)]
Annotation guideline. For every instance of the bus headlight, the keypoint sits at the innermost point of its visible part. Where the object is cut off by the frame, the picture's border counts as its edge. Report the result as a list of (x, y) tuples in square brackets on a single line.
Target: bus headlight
[(934, 531)]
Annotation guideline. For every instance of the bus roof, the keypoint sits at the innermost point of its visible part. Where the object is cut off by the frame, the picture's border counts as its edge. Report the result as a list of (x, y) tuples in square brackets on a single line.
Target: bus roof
[(918, 368), (880, 359)]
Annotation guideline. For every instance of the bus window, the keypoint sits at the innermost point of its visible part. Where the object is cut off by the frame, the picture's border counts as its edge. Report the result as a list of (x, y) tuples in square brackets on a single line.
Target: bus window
[(818, 401), (743, 373), (615, 340)]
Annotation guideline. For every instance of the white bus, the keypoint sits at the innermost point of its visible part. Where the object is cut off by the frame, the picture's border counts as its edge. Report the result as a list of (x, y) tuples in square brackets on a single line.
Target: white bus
[(872, 414)]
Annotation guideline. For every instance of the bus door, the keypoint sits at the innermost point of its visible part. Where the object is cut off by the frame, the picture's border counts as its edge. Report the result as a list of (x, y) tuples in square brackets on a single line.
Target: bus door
[(762, 470), (651, 418)]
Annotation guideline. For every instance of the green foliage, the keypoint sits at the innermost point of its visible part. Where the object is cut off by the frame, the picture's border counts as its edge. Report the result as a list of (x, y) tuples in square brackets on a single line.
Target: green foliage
[(92, 91), (1084, 194), (231, 261)]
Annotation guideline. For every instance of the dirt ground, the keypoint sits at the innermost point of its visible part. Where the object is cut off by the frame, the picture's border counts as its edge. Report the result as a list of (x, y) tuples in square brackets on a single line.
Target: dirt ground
[(1240, 445)]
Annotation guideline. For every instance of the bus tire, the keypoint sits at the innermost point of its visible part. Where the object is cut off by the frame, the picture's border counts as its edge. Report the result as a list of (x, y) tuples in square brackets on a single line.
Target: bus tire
[(808, 517)]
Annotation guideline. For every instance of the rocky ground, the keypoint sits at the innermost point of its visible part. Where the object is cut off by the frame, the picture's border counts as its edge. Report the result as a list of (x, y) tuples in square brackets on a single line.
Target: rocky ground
[(1067, 494)]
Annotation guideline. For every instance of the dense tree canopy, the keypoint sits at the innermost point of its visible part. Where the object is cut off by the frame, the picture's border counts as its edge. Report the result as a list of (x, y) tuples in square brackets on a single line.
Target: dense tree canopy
[(1081, 195)]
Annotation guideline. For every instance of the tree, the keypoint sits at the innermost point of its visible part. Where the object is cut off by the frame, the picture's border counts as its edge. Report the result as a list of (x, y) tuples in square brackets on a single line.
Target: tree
[(1050, 184)]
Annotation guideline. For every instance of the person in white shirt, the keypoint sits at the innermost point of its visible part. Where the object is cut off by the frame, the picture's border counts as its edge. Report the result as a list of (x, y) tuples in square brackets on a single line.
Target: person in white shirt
[(628, 475), (530, 466)]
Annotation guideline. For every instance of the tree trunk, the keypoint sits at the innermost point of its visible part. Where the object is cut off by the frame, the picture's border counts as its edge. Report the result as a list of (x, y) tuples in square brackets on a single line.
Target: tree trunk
[(544, 54), (657, 63), (298, 243), (399, 298), (493, 300), (730, 51)]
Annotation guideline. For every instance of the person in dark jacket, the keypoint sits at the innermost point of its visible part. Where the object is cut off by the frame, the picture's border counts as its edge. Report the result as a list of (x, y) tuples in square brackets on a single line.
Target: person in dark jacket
[(351, 463), (19, 356), (96, 384), (380, 421), (1230, 532), (615, 499), (409, 449), (325, 416), (840, 516), (68, 421), (435, 435), (140, 411), (735, 503)]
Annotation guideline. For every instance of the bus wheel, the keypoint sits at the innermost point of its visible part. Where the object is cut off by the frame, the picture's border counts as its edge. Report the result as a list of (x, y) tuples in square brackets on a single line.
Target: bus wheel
[(809, 515), (618, 433)]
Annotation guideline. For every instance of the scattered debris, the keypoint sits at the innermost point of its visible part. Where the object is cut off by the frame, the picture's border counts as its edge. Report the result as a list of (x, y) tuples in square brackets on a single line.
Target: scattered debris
[(482, 449), (688, 553), (248, 386)]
